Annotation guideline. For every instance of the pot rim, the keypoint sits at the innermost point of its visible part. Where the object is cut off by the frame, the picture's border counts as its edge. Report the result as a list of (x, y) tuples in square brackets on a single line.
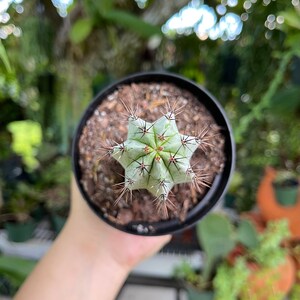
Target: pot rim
[(220, 182)]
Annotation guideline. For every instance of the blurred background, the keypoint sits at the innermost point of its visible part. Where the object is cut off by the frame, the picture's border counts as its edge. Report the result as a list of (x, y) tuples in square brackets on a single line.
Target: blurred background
[(55, 56)]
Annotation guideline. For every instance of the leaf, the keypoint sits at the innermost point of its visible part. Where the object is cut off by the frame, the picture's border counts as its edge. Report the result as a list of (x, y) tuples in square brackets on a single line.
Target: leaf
[(26, 139), (81, 30), (215, 234), (286, 101), (132, 23), (293, 41), (216, 237), (247, 234), (4, 58), (291, 18), (104, 6), (17, 269), (96, 8)]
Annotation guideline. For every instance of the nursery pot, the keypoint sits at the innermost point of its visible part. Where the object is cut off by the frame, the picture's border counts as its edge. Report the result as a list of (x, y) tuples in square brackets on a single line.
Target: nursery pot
[(194, 294), (220, 182), (20, 232), (57, 222), (286, 195)]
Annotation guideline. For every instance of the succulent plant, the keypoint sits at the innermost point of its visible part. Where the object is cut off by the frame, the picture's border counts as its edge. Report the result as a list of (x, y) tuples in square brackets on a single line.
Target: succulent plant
[(156, 157)]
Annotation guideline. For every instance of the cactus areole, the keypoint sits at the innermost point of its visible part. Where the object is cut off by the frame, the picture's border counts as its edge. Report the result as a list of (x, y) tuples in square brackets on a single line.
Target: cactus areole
[(154, 165)]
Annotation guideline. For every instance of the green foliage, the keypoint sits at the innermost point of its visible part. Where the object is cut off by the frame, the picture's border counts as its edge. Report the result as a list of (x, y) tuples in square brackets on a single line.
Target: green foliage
[(229, 281), (131, 22), (216, 237), (15, 269), (291, 18), (57, 173), (81, 30), (54, 185), (104, 6), (247, 234), (155, 156), (9, 86), (23, 200), (286, 102), (250, 101), (257, 111), (186, 272), (105, 12), (4, 58), (268, 253), (264, 111), (73, 93), (27, 137), (235, 182), (34, 53), (295, 293)]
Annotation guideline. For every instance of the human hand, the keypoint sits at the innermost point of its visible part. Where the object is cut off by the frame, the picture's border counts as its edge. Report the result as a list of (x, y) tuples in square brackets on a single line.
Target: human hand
[(125, 249), (88, 260)]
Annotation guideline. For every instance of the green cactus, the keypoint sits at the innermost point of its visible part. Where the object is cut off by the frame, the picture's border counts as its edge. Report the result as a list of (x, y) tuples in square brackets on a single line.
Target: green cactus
[(156, 156)]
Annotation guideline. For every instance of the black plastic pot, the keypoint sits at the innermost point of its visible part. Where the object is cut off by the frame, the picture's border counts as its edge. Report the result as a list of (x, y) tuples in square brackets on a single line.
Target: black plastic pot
[(220, 182)]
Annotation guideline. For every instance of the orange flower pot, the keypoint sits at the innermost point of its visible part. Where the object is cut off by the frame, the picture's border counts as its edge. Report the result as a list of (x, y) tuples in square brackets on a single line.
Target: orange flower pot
[(263, 283), (271, 210)]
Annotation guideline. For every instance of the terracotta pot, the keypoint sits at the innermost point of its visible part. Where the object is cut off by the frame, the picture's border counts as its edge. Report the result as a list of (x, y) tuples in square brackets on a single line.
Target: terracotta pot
[(293, 247), (270, 209), (264, 283)]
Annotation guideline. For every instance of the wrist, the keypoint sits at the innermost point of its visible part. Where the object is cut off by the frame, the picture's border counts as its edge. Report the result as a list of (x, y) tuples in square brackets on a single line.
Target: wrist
[(98, 241), (97, 262)]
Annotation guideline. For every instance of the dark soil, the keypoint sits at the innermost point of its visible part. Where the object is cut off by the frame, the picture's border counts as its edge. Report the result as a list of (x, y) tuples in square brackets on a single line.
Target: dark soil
[(108, 125)]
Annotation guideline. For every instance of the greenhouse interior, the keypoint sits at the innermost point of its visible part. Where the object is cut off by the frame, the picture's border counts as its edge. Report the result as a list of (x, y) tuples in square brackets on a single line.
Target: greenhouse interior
[(168, 131)]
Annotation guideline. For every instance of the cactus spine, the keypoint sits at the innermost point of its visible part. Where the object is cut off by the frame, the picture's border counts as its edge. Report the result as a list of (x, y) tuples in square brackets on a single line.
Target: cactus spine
[(156, 156)]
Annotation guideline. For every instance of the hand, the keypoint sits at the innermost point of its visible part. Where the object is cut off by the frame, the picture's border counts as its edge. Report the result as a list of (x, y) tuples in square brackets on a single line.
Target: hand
[(89, 260), (126, 249)]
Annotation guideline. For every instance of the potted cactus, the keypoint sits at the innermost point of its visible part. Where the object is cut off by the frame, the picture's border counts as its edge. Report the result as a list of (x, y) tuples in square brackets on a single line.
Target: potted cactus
[(161, 167)]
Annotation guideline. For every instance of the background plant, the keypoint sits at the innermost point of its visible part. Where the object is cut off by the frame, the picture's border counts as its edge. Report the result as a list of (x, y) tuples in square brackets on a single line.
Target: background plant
[(217, 236), (229, 249), (59, 70), (51, 66), (266, 253)]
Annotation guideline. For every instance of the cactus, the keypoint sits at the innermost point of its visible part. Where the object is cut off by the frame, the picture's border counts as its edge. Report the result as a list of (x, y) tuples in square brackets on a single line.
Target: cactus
[(156, 157)]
